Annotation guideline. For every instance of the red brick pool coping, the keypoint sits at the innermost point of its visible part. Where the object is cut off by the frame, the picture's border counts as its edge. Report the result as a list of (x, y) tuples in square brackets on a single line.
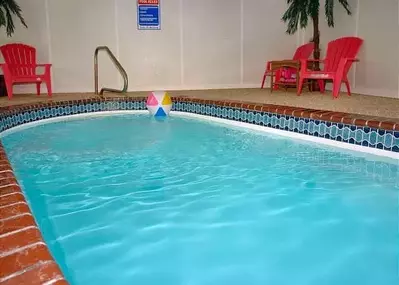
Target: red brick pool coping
[(24, 256)]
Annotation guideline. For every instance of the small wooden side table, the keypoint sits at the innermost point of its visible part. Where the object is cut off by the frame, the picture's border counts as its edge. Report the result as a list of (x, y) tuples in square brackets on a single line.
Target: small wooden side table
[(278, 64)]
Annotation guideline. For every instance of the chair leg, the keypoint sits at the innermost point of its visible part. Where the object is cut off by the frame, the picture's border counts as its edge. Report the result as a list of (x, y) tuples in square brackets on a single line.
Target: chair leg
[(300, 86), (277, 78), (49, 88), (336, 87), (264, 79), (321, 85), (272, 76), (348, 88), (309, 85), (9, 88), (38, 85)]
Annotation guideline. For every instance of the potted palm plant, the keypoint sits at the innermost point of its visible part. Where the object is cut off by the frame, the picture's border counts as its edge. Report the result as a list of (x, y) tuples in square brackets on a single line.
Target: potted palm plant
[(300, 11), (8, 10)]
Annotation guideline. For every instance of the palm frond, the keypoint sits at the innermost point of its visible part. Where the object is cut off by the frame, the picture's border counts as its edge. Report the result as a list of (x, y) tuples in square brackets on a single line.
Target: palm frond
[(299, 12), (295, 15), (346, 5), (329, 10), (2, 18), (10, 23), (8, 9)]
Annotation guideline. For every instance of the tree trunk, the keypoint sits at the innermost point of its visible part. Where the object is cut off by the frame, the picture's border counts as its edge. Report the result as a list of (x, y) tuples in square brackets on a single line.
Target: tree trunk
[(316, 40), (316, 52)]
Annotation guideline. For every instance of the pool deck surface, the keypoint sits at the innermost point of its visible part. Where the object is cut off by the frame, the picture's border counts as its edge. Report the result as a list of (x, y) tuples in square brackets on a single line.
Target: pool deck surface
[(371, 106), (25, 258)]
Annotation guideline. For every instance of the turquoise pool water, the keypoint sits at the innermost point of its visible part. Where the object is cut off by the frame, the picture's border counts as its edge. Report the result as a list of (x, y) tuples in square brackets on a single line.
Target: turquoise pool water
[(130, 200)]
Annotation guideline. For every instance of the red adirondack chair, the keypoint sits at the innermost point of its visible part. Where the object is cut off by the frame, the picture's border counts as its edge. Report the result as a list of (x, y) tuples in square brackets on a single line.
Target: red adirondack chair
[(341, 54), (302, 52), (20, 68)]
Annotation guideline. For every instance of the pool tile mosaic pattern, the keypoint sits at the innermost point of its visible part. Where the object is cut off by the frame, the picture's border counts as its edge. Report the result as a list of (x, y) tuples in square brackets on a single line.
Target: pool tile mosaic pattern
[(365, 136), (24, 257)]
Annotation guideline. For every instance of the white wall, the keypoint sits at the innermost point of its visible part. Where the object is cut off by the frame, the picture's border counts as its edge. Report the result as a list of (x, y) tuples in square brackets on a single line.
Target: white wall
[(202, 44), (377, 22), (264, 37), (76, 28)]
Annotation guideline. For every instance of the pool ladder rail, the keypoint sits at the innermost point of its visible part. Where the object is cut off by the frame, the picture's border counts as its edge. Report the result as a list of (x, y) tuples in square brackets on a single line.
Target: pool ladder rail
[(118, 65)]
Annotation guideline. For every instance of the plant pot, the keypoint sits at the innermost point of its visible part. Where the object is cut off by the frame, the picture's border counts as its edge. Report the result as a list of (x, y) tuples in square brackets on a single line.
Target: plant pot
[(315, 85), (3, 89)]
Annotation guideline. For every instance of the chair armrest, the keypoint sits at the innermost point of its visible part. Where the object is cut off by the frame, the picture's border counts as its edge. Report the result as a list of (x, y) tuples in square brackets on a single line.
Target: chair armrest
[(47, 67), (29, 65), (316, 60), (352, 59), (44, 64), (309, 64), (8, 67), (310, 60)]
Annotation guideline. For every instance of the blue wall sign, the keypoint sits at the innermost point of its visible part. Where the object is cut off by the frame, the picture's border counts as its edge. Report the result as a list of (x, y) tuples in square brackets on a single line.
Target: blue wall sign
[(148, 15)]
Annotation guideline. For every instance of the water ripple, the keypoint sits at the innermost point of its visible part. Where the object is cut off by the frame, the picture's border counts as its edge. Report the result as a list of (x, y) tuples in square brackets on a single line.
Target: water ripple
[(184, 202)]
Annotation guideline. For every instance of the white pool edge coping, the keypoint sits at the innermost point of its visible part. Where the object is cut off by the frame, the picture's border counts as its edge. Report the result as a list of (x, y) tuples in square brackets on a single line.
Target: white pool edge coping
[(289, 134)]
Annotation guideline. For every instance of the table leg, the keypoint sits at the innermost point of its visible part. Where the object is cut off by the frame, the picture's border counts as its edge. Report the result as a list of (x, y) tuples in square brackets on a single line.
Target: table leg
[(271, 81)]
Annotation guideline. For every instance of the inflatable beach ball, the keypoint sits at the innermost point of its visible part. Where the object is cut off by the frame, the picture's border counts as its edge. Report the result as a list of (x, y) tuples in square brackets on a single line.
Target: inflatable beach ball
[(159, 103)]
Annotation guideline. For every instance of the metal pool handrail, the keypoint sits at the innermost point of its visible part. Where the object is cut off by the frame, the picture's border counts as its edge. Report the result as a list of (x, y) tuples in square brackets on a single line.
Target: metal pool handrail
[(120, 68)]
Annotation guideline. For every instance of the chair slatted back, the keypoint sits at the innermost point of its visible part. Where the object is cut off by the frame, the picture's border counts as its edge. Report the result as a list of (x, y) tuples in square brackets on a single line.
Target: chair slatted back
[(20, 58)]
